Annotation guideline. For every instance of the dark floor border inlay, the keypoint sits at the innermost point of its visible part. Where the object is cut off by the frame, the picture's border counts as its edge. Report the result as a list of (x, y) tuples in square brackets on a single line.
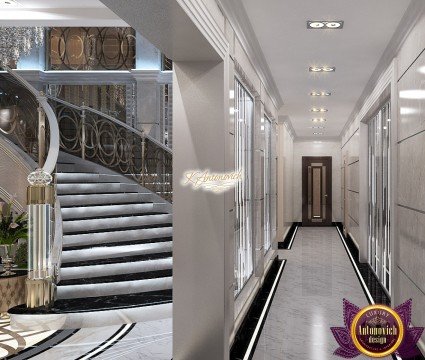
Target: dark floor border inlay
[(247, 329), (369, 278), (44, 345), (288, 241), (111, 341)]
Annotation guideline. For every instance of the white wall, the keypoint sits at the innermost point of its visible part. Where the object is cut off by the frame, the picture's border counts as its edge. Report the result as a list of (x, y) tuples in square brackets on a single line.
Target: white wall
[(313, 148), (285, 157)]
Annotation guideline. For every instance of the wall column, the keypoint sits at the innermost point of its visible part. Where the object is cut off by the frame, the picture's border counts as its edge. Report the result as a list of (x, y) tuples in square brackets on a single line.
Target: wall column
[(200, 219)]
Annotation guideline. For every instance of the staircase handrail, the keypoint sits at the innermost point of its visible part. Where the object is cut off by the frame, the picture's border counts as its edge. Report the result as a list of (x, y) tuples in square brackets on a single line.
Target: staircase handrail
[(112, 119), (53, 153)]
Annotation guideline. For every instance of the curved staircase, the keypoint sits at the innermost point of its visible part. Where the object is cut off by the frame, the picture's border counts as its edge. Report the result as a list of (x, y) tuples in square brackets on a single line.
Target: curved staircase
[(117, 243)]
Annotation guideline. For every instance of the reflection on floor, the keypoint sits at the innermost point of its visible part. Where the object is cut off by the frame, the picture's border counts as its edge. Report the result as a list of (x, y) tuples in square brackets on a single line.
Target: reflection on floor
[(145, 340), (12, 342), (308, 301)]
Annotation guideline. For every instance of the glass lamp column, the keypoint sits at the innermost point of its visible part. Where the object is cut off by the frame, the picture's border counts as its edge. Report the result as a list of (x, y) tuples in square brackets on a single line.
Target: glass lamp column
[(40, 197)]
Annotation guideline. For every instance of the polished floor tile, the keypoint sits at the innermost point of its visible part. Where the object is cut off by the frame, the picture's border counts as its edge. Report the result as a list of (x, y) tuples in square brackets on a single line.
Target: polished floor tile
[(308, 301)]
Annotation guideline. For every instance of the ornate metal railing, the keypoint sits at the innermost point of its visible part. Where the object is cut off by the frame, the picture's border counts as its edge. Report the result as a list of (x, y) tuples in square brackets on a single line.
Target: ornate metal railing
[(109, 142)]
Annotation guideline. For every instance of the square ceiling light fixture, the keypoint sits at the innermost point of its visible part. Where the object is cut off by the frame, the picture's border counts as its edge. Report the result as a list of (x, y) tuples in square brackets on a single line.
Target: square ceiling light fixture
[(318, 120), (320, 93), (321, 24), (316, 110), (317, 69)]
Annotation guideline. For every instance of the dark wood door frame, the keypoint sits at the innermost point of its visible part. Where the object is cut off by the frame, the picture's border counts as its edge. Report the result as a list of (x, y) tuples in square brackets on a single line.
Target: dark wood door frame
[(306, 161)]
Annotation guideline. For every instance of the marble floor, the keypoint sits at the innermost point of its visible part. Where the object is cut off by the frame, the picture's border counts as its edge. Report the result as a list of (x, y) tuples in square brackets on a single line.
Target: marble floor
[(308, 301), (150, 339)]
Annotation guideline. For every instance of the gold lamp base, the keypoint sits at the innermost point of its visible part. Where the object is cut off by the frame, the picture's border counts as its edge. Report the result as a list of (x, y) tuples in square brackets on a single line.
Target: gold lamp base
[(40, 292)]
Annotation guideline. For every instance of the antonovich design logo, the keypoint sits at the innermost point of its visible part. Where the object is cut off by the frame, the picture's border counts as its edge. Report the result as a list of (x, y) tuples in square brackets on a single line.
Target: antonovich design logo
[(208, 181), (377, 331)]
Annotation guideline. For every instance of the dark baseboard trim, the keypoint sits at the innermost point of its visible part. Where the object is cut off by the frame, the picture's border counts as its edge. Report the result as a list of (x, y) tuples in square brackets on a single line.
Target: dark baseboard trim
[(368, 278), (288, 241), (252, 325)]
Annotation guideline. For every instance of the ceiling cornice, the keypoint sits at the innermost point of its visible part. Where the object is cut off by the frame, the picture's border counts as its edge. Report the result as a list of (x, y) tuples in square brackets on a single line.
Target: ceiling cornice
[(235, 12), (413, 13)]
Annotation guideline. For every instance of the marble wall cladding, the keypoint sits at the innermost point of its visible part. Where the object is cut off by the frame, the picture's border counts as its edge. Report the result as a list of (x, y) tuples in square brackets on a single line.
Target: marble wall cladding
[(311, 148), (353, 177), (412, 46), (353, 205), (406, 289), (410, 245), (350, 152), (411, 172), (411, 89)]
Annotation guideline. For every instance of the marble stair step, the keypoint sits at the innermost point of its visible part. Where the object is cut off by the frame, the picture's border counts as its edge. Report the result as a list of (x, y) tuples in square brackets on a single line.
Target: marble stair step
[(91, 225), (84, 177), (117, 278), (104, 199), (114, 287), (84, 212), (101, 303), (96, 188), (122, 243), (139, 235), (86, 272), (121, 258)]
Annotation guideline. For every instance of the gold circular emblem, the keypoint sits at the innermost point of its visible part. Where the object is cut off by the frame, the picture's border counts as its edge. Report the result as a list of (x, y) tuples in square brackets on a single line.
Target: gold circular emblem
[(377, 331)]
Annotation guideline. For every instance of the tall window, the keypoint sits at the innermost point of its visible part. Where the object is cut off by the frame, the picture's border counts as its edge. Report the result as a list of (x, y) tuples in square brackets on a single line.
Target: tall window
[(244, 111), (379, 196), (267, 128)]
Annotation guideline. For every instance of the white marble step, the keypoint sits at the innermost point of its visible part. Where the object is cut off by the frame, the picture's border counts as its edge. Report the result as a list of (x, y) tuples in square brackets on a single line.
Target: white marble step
[(110, 252), (103, 199), (109, 210), (91, 271), (116, 236), (116, 288), (82, 226), (77, 178), (96, 188)]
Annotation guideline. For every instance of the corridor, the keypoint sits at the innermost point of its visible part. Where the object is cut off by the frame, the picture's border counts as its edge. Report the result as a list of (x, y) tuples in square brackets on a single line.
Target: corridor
[(318, 274)]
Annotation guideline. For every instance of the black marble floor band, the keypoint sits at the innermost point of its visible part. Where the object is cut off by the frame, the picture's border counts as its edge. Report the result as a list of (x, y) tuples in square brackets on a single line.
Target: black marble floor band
[(287, 242), (44, 345), (108, 343), (249, 324), (369, 278)]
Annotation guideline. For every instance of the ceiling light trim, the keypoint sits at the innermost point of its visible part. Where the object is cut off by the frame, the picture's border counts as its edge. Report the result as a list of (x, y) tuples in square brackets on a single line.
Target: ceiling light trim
[(414, 12), (235, 13), (319, 69), (325, 24)]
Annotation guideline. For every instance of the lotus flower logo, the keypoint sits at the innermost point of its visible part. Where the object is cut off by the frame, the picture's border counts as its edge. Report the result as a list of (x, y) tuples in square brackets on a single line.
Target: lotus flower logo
[(377, 331)]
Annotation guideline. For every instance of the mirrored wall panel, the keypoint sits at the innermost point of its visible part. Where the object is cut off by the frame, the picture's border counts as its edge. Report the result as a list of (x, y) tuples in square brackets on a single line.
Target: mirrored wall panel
[(244, 111), (379, 195)]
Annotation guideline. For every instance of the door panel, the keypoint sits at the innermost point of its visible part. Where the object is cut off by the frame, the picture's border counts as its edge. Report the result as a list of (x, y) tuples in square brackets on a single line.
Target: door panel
[(317, 190)]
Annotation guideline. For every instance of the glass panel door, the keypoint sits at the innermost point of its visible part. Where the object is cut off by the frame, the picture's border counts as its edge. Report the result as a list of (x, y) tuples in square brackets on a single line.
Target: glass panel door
[(244, 111), (379, 195), (267, 127)]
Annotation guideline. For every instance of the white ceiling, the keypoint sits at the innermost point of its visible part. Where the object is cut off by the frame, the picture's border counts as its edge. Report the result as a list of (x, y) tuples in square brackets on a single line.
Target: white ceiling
[(290, 48), (58, 13)]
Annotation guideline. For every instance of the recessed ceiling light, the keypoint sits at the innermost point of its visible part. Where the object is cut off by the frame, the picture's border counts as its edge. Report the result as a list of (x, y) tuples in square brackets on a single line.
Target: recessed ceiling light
[(319, 24), (320, 93), (317, 133), (321, 68), (318, 120), (317, 127), (322, 110)]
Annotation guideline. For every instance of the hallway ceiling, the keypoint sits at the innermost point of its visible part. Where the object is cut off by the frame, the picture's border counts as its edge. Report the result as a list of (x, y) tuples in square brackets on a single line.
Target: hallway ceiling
[(57, 13), (355, 50)]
